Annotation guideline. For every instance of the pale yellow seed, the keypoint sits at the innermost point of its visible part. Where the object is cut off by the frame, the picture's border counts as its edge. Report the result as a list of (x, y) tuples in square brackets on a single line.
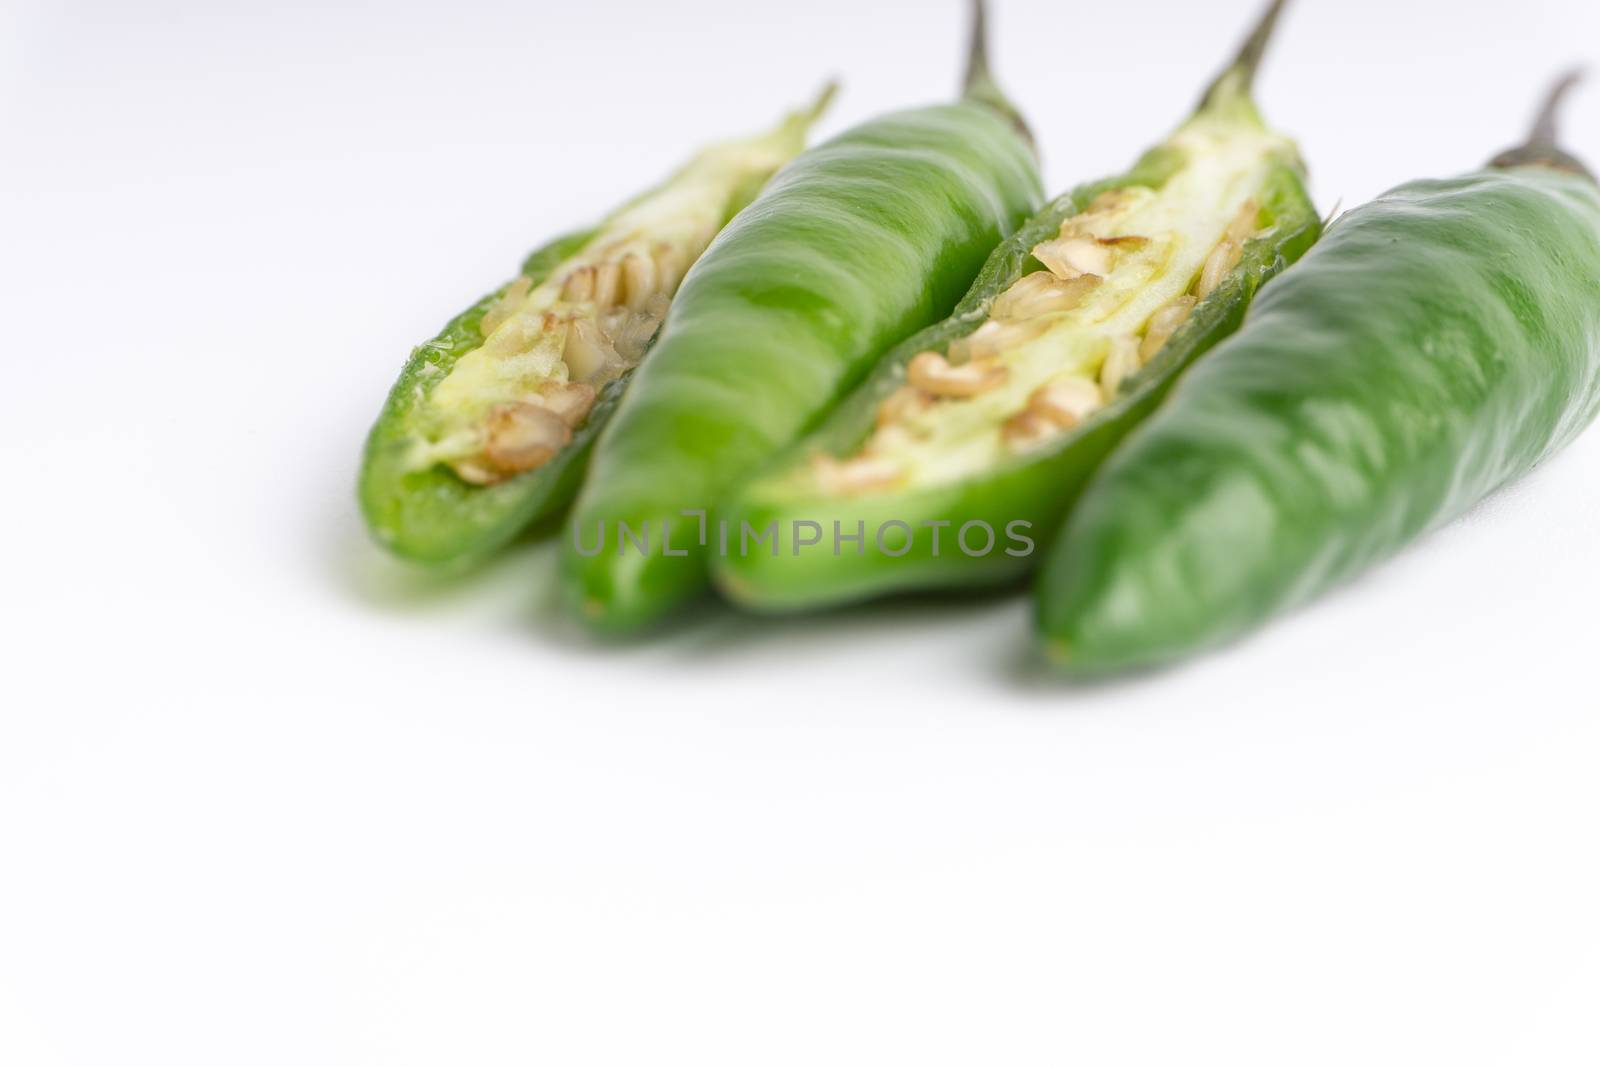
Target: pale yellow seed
[(521, 437), (587, 353), (892, 438), (994, 339), (569, 401), (639, 280), (607, 284), (932, 373), (1163, 324), (1121, 363), (1088, 255), (579, 286), (1066, 402), (671, 265), (518, 334), (861, 474), (1073, 257), (1042, 293), (475, 473), (493, 319), (503, 308), (633, 332), (1049, 254), (1222, 259), (1027, 430), (611, 322), (986, 342), (1077, 226), (1243, 225), (1098, 218), (901, 404)]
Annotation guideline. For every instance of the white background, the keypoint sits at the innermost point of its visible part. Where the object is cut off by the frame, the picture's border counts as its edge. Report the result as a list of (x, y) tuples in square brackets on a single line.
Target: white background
[(266, 798)]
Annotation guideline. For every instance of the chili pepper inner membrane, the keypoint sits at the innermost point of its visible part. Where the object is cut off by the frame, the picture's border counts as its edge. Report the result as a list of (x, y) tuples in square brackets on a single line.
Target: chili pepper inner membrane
[(1109, 289), (509, 405)]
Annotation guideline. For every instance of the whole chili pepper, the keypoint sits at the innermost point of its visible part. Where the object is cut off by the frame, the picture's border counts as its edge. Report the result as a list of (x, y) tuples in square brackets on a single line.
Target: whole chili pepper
[(1435, 345), (858, 243), (974, 436), (489, 426)]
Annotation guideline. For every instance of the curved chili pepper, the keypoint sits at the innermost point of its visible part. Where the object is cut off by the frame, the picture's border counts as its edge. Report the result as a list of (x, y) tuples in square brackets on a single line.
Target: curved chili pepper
[(1438, 343), (973, 437), (489, 426), (859, 242)]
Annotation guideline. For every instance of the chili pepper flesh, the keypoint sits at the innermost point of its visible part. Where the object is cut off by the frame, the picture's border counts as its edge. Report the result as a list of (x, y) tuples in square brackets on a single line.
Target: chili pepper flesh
[(1119, 280), (548, 350), (1438, 343), (861, 241), (1071, 335), (491, 422)]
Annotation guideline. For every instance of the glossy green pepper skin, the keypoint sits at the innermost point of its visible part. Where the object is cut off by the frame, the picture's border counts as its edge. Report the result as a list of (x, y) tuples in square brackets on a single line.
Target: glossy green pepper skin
[(1435, 345), (1020, 500), (420, 508), (859, 242), (431, 516), (980, 530)]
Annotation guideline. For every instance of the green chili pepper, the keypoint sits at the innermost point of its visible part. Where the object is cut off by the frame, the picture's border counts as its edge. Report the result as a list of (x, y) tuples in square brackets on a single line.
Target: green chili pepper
[(858, 243), (974, 437), (1435, 345), (489, 427)]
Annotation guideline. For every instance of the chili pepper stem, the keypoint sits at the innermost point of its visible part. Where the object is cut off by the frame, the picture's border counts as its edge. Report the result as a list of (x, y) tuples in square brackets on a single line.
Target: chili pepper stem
[(1238, 77), (979, 83), (978, 72), (821, 104), (1544, 126), (1542, 148)]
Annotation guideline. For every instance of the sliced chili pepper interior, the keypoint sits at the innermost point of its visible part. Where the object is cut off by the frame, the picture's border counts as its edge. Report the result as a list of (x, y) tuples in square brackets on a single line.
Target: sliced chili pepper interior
[(1109, 290), (512, 404)]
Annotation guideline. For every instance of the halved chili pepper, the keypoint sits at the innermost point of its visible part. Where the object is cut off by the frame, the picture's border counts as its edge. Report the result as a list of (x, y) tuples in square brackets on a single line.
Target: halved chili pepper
[(490, 424), (1435, 345), (859, 242), (972, 438)]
